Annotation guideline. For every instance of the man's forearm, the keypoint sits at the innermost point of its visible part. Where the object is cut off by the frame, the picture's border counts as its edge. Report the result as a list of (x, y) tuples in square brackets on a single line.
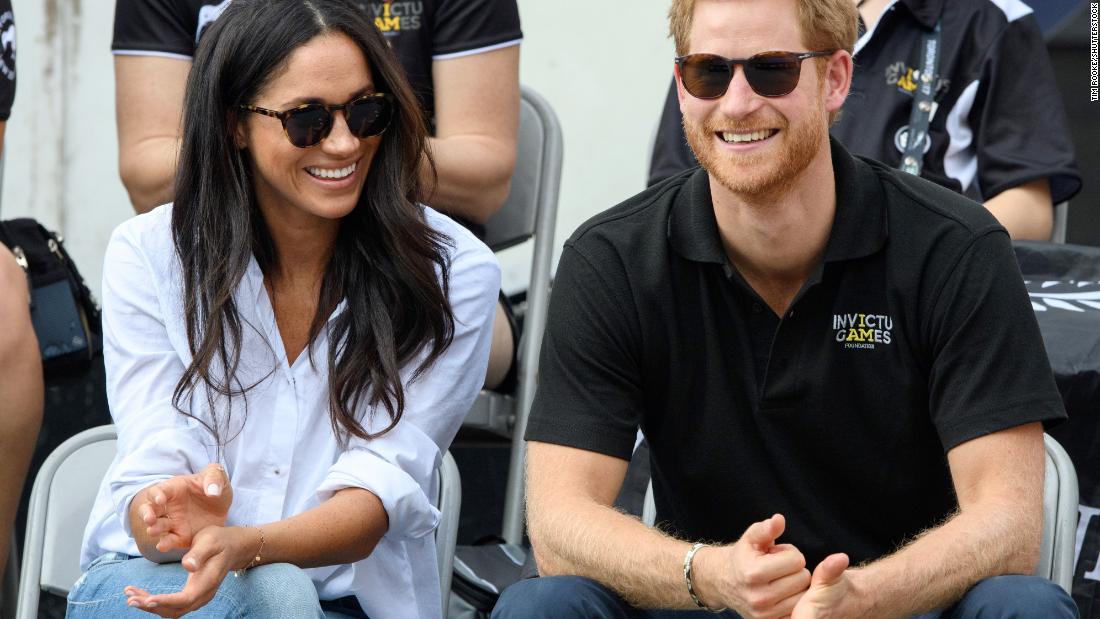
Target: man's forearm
[(937, 568), (1025, 211), (639, 563), (474, 175), (148, 170)]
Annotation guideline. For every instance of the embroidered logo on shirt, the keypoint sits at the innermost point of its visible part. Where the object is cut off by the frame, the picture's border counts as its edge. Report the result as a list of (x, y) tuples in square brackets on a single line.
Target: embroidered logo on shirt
[(7, 45), (395, 17), (863, 330), (907, 79)]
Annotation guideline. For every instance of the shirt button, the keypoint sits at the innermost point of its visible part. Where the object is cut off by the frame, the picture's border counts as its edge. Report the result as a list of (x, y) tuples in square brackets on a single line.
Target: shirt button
[(276, 471)]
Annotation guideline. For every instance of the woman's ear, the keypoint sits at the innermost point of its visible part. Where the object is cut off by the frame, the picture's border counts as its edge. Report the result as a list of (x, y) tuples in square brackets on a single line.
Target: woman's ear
[(240, 134), (240, 131)]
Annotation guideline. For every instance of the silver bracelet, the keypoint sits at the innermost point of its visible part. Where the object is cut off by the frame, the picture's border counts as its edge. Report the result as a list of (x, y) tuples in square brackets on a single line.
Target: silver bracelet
[(688, 558)]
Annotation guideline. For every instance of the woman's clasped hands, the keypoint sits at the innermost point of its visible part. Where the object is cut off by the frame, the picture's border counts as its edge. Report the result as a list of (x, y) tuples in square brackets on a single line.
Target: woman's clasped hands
[(187, 514)]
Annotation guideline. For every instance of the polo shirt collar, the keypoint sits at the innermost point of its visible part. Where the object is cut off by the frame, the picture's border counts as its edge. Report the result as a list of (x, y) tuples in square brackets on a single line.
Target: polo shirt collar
[(927, 12), (859, 226), (692, 228)]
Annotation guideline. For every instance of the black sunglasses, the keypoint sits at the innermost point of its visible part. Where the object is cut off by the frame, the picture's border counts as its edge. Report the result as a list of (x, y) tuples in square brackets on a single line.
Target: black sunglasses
[(306, 125), (769, 74)]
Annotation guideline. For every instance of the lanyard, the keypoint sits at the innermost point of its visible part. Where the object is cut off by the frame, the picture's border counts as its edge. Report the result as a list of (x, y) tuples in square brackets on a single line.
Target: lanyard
[(920, 117)]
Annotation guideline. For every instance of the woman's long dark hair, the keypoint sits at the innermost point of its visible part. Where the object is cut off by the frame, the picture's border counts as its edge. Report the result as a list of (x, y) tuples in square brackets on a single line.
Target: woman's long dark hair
[(388, 264)]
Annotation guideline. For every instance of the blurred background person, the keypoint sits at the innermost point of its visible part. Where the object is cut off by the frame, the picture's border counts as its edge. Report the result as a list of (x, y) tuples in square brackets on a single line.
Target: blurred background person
[(21, 386)]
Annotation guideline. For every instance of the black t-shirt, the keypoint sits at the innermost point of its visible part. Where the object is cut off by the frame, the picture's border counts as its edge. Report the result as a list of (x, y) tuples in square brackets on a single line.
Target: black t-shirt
[(915, 334), (7, 59), (420, 31), (999, 121)]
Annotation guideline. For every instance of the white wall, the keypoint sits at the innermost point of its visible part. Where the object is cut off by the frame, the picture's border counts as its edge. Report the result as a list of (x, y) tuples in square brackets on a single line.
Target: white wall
[(603, 65)]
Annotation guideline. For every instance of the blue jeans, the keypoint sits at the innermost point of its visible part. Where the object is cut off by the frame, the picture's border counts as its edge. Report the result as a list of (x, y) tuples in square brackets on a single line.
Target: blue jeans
[(573, 597), (269, 591)]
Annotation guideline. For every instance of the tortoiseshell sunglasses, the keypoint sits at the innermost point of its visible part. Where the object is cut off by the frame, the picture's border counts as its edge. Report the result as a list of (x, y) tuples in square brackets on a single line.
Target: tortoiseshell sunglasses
[(769, 74), (306, 125)]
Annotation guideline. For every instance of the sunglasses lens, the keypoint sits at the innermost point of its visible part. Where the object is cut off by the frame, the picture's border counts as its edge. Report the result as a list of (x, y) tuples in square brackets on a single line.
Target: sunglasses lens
[(308, 125), (705, 76), (773, 74), (369, 116)]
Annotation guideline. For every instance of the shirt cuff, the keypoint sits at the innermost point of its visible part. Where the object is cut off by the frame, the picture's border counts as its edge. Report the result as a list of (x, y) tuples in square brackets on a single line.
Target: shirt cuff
[(411, 515), (163, 455)]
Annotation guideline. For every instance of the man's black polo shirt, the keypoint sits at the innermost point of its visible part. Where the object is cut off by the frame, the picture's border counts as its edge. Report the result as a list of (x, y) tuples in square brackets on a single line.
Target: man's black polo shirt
[(914, 335)]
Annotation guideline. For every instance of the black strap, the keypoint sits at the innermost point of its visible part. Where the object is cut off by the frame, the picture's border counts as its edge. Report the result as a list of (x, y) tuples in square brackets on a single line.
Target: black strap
[(912, 158)]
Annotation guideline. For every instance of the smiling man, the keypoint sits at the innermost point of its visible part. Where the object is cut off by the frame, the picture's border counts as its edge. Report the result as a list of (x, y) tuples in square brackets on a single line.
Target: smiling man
[(832, 361)]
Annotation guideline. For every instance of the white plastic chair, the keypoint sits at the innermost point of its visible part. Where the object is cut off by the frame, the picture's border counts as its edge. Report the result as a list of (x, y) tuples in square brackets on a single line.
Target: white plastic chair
[(1060, 497), (65, 490)]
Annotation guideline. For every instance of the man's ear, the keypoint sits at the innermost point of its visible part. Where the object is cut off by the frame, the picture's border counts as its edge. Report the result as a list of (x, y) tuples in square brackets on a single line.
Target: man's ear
[(838, 79), (680, 92)]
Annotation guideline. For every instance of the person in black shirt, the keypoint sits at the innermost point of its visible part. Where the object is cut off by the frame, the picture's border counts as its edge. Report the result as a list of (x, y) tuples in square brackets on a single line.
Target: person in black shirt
[(836, 365), (21, 389), (461, 56), (998, 131), (7, 65)]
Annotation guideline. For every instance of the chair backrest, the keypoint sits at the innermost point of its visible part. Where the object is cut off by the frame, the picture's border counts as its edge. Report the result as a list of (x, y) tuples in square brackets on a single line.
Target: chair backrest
[(530, 210), (1060, 502), (1061, 220), (449, 503), (1060, 497), (65, 490), (535, 180), (61, 500)]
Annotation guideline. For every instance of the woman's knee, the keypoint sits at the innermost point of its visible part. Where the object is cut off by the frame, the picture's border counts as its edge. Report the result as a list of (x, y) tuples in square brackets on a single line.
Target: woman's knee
[(99, 591), (274, 590)]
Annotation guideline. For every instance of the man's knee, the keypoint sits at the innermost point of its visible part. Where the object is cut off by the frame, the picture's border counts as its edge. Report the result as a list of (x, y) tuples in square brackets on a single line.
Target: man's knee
[(273, 590), (1016, 597), (567, 597)]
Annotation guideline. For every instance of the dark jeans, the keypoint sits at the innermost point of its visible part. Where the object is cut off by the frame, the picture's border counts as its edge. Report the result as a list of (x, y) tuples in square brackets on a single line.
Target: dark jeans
[(573, 597)]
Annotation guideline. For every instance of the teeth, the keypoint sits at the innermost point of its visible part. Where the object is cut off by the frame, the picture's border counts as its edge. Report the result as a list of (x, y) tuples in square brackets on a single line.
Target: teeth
[(330, 173), (753, 136)]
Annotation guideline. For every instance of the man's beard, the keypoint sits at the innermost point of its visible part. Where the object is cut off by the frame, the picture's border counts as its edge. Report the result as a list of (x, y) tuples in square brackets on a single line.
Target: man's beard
[(757, 174)]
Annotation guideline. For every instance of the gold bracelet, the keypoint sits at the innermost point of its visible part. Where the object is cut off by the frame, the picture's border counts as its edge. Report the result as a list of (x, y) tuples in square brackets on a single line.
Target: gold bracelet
[(255, 560)]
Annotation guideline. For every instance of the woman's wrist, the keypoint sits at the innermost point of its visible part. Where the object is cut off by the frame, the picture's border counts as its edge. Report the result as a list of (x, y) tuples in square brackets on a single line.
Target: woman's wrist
[(250, 545)]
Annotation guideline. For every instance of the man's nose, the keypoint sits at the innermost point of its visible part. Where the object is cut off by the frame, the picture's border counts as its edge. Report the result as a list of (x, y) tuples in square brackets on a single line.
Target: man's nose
[(740, 99)]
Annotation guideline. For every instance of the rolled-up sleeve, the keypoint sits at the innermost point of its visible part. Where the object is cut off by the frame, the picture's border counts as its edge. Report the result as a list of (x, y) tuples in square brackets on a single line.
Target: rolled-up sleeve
[(398, 467), (155, 441)]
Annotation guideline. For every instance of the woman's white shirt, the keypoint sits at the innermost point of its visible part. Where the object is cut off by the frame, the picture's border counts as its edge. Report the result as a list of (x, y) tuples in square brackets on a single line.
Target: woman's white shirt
[(285, 458)]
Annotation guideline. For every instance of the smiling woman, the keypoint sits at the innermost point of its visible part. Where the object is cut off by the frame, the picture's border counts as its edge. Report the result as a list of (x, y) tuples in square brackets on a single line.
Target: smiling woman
[(291, 345)]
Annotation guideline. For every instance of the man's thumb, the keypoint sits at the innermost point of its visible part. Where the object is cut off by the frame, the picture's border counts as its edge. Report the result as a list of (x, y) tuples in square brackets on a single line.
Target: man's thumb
[(765, 532), (829, 570)]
